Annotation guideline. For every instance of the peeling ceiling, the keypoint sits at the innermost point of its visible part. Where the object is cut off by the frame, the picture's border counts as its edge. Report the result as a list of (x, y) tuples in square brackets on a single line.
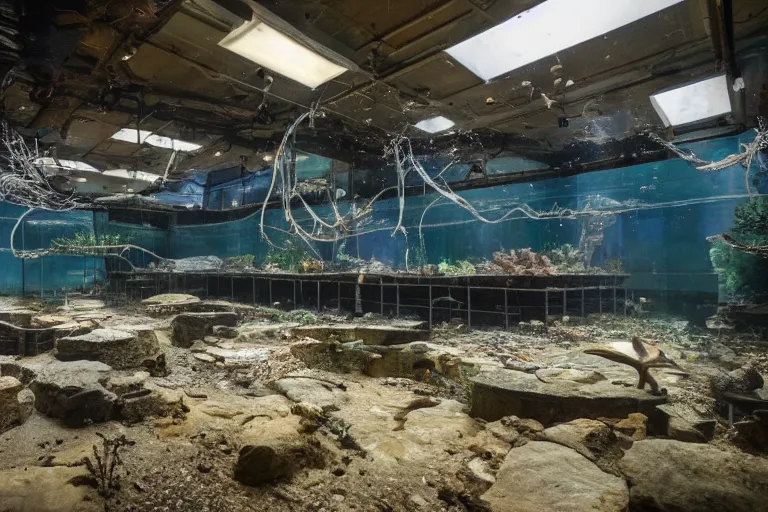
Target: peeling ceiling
[(90, 68)]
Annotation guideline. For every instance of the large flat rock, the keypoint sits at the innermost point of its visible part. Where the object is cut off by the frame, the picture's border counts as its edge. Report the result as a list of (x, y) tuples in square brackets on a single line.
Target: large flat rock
[(667, 475), (500, 393), (73, 392), (547, 477), (370, 334), (120, 349)]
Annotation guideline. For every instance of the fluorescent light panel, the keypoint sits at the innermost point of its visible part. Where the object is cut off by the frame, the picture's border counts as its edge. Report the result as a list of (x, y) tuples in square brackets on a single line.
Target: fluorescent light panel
[(546, 29), (435, 124), (267, 47), (129, 135), (700, 100)]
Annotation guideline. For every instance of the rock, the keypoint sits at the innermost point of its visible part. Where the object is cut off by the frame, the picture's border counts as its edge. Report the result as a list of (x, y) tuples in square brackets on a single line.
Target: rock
[(523, 425), (503, 431), (321, 394), (10, 409), (238, 355), (151, 402), (680, 430), (123, 384), (667, 475), (682, 423), (223, 331), (274, 449), (635, 426), (26, 400), (725, 356), (520, 366), (188, 327), (117, 348), (22, 370), (391, 334), (752, 433), (542, 476), (481, 471), (17, 317), (198, 347), (500, 393), (47, 489), (418, 501), (45, 321), (73, 393), (205, 358), (591, 438)]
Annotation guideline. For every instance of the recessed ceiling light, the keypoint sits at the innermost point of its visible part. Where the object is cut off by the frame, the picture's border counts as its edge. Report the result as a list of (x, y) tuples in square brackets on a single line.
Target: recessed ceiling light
[(129, 135), (80, 180), (546, 29), (698, 101), (267, 47), (169, 143), (434, 124), (267, 158)]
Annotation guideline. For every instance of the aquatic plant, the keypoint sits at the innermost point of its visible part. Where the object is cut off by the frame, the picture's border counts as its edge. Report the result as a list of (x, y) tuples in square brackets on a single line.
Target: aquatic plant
[(457, 268), (104, 463), (241, 262), (614, 266), (287, 259), (743, 274), (85, 240)]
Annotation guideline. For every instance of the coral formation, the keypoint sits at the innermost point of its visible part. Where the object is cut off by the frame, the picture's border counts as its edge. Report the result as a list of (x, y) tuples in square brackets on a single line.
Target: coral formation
[(522, 262)]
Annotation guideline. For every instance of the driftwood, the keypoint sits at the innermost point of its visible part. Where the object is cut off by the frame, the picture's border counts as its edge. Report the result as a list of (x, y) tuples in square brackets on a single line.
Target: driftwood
[(638, 355)]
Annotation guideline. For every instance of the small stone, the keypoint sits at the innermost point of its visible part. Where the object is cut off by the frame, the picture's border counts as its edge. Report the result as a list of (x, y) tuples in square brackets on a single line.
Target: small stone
[(204, 467), (206, 358), (337, 498), (635, 426), (418, 500), (521, 366)]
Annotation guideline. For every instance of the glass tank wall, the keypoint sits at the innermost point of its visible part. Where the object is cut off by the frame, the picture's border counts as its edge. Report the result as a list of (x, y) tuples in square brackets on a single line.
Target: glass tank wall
[(653, 223), (46, 275)]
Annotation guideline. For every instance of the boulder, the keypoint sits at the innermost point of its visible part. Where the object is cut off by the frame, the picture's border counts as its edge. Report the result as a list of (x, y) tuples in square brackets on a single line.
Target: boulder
[(116, 348), (741, 380), (17, 317), (591, 438), (10, 408), (151, 402), (224, 331), (542, 476), (667, 475), (188, 327), (73, 393), (683, 423), (500, 393)]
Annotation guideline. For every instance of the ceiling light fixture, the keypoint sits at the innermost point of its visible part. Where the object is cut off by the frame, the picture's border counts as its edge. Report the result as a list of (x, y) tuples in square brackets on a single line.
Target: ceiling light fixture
[(697, 101), (129, 135), (272, 49), (434, 124), (546, 29)]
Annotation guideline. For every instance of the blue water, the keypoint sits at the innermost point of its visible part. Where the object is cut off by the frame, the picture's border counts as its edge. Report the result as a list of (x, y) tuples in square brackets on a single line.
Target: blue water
[(662, 243)]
